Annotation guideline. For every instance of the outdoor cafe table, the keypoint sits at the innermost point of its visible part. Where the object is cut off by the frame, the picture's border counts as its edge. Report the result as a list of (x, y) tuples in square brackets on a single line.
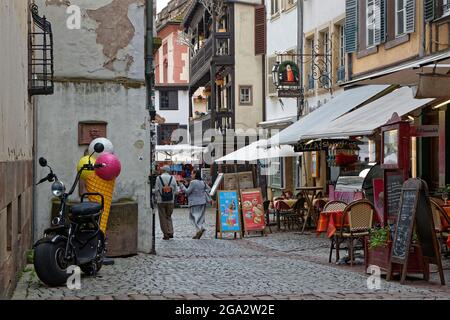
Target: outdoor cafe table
[(329, 221), (309, 193), (283, 205)]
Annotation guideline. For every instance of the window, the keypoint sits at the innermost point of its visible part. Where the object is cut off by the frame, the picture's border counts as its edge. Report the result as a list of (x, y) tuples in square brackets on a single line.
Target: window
[(371, 23), (341, 66), (400, 17), (326, 50), (275, 7), (342, 46), (289, 4), (276, 180), (446, 7), (168, 100), (245, 95)]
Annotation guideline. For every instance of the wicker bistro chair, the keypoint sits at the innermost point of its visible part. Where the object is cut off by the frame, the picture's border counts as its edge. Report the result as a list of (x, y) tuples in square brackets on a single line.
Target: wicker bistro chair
[(333, 206), (442, 231), (297, 215), (360, 218)]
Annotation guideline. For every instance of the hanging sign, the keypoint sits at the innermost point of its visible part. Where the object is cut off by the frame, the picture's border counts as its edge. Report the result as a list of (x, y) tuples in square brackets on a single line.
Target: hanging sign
[(325, 144), (288, 74)]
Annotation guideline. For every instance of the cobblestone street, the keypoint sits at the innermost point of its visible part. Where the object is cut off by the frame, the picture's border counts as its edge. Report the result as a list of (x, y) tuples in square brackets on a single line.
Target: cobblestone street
[(284, 265)]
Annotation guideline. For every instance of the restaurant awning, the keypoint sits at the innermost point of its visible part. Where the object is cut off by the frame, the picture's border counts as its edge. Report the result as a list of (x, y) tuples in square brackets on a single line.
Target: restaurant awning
[(365, 120), (277, 123), (258, 151), (322, 117), (408, 72)]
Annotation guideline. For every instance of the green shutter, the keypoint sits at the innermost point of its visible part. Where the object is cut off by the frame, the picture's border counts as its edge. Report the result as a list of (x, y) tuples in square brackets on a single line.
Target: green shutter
[(351, 26), (410, 16), (383, 19), (429, 10)]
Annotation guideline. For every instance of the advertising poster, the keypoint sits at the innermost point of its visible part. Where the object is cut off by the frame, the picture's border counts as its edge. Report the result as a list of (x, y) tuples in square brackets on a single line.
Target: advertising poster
[(253, 210), (228, 204)]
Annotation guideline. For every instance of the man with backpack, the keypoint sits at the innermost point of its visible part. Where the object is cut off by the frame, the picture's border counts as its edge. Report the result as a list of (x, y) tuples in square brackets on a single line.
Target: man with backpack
[(166, 190)]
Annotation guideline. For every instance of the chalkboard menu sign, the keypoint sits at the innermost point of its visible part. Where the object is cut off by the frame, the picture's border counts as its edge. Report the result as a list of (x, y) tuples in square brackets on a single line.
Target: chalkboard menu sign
[(393, 182), (415, 212), (405, 223)]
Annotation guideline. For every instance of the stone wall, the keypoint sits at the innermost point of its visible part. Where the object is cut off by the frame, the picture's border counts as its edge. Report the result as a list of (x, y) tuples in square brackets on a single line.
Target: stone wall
[(16, 144)]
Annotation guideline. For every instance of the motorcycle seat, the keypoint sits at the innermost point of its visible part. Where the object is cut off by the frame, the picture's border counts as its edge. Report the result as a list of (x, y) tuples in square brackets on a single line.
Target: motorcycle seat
[(86, 208)]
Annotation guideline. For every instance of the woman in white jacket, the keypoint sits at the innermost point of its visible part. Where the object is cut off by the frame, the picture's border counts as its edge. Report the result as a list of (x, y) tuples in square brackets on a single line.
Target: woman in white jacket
[(197, 196)]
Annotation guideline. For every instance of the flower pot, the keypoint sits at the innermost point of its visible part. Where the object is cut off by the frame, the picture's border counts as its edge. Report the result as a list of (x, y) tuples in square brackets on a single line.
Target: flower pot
[(381, 256)]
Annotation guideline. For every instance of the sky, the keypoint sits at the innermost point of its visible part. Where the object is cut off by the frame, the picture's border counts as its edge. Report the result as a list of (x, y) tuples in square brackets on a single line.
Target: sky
[(160, 4)]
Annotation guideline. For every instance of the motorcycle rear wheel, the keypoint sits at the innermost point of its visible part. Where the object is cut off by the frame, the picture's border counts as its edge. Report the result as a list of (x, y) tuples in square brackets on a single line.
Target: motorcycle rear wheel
[(49, 264)]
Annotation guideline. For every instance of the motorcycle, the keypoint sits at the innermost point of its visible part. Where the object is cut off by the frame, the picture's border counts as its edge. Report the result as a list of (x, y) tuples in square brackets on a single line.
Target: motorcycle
[(75, 241)]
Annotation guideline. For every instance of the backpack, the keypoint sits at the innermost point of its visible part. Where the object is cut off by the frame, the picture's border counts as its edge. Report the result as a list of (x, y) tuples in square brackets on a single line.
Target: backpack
[(167, 192)]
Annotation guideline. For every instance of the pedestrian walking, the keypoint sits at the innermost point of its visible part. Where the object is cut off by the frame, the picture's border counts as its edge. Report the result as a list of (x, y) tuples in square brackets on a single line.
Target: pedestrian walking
[(166, 190), (198, 196)]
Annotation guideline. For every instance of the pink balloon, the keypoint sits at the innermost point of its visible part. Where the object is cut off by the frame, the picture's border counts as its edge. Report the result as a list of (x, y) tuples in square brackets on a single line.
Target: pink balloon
[(111, 168)]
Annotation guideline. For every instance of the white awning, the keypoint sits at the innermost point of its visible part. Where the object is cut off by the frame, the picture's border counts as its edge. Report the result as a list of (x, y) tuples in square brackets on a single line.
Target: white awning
[(258, 151), (407, 73), (322, 117), (365, 120), (278, 123), (179, 148)]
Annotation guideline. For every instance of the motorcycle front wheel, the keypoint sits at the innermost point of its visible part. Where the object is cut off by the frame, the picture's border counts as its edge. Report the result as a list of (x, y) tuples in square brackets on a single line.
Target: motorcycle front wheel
[(50, 265)]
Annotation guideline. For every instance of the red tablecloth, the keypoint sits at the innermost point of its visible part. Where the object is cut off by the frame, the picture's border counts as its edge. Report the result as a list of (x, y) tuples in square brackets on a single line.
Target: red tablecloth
[(445, 224), (330, 221)]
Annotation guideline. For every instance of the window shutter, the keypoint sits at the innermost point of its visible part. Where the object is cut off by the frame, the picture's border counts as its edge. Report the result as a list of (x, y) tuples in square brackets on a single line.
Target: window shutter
[(410, 16), (351, 25), (380, 16), (429, 10), (383, 19), (260, 30)]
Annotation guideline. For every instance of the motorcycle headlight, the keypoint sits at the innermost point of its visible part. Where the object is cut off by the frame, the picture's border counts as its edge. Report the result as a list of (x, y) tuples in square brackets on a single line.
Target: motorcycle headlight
[(58, 188)]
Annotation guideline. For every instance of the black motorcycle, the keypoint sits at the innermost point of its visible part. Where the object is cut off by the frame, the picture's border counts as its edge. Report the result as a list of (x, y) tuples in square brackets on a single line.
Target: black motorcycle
[(73, 241)]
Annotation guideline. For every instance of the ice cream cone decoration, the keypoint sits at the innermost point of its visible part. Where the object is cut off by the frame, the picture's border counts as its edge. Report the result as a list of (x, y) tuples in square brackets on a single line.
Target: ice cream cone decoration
[(95, 184)]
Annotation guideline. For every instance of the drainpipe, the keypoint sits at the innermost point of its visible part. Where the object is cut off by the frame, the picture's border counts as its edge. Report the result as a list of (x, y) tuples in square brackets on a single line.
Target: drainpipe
[(149, 81), (422, 37), (264, 77), (301, 100)]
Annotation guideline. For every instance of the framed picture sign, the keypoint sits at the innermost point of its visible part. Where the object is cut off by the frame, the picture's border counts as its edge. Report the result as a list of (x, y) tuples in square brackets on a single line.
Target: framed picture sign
[(228, 212), (253, 210)]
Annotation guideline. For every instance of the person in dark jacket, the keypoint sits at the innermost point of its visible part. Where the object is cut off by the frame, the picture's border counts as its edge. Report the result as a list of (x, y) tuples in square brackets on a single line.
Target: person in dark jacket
[(197, 196)]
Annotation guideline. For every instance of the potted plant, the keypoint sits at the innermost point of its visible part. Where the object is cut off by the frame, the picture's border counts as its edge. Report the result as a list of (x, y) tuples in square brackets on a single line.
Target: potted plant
[(378, 251), (444, 192)]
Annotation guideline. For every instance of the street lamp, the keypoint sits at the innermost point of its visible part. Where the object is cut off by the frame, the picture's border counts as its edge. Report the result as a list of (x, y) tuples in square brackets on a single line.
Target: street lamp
[(275, 69)]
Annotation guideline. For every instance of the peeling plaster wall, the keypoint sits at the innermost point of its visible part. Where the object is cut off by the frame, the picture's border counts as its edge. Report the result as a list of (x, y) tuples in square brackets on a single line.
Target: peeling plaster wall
[(110, 43), (99, 72)]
